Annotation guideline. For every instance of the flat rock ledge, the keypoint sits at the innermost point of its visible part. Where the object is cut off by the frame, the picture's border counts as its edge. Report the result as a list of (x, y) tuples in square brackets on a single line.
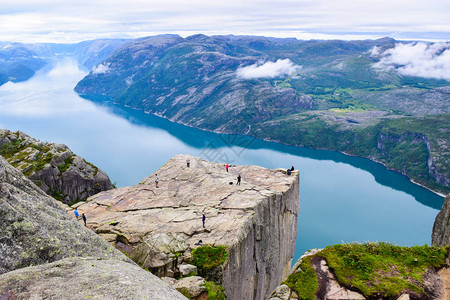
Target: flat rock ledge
[(256, 220)]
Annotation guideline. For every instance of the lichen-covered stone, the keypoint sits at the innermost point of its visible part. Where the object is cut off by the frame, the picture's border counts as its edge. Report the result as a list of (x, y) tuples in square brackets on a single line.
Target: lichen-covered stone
[(256, 220), (159, 253), (53, 167), (46, 254), (282, 292), (187, 269), (36, 230), (194, 285), (85, 278), (441, 227)]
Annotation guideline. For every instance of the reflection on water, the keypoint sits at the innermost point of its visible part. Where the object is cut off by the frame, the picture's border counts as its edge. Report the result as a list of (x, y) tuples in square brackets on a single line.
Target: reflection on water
[(341, 198)]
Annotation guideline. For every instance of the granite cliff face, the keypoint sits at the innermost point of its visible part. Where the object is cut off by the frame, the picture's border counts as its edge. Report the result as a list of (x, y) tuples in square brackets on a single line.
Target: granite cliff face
[(158, 226), (46, 254), (53, 167), (441, 227)]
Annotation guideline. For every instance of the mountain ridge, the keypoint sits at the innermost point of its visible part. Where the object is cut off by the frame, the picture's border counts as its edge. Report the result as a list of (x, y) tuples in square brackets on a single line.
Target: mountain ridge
[(327, 89)]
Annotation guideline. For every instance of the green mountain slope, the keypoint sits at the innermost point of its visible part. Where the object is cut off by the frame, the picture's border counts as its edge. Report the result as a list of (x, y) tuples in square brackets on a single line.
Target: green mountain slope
[(327, 95)]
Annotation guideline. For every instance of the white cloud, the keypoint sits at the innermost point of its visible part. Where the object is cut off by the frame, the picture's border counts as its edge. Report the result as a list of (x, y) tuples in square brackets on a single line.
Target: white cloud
[(416, 59), (72, 21), (269, 69), (100, 69)]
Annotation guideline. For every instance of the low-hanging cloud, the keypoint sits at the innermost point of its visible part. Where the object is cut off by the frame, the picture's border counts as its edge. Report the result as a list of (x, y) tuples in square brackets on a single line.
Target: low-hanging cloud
[(269, 69), (100, 69), (416, 59)]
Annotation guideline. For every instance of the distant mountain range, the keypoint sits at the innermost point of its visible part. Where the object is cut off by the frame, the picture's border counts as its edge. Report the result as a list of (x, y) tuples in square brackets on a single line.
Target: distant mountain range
[(362, 98), (18, 62)]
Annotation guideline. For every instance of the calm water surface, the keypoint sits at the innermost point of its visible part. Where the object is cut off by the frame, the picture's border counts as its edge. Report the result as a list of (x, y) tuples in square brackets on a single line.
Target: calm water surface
[(342, 199)]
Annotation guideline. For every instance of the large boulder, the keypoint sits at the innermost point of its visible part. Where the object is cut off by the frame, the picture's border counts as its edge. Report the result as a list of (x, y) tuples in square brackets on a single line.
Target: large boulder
[(53, 167), (192, 286), (36, 230), (47, 254), (85, 278)]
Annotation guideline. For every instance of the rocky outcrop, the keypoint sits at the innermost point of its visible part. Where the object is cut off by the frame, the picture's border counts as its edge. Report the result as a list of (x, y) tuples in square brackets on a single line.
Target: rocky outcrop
[(85, 278), (441, 227), (53, 167), (157, 225), (314, 277), (45, 253)]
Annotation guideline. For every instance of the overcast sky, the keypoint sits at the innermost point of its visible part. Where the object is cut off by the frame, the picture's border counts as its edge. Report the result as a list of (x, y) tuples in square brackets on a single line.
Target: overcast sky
[(77, 20)]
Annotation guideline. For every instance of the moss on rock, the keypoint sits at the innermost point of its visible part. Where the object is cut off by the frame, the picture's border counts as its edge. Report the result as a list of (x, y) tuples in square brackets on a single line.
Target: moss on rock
[(374, 269)]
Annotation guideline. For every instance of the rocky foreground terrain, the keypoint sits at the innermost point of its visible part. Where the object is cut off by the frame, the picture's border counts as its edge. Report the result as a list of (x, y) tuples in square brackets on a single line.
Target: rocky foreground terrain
[(46, 254), (160, 227), (53, 167), (369, 271)]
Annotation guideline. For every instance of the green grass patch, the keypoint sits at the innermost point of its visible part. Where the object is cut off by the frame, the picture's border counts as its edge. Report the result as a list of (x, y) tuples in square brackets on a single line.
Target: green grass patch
[(58, 195), (304, 283), (8, 150), (67, 163), (215, 291), (374, 269), (207, 258)]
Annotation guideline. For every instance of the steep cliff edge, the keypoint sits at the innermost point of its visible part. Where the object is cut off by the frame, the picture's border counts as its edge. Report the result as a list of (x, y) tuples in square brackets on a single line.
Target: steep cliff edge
[(158, 225), (47, 254), (53, 167), (441, 227)]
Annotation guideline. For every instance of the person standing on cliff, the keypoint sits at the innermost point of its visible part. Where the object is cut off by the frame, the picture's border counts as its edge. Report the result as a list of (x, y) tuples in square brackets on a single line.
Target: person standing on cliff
[(226, 167), (84, 219), (238, 180), (75, 212), (188, 162), (156, 180), (203, 219)]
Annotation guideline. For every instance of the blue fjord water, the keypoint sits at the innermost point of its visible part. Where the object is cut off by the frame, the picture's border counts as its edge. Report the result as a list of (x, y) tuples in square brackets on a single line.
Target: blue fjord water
[(342, 198)]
